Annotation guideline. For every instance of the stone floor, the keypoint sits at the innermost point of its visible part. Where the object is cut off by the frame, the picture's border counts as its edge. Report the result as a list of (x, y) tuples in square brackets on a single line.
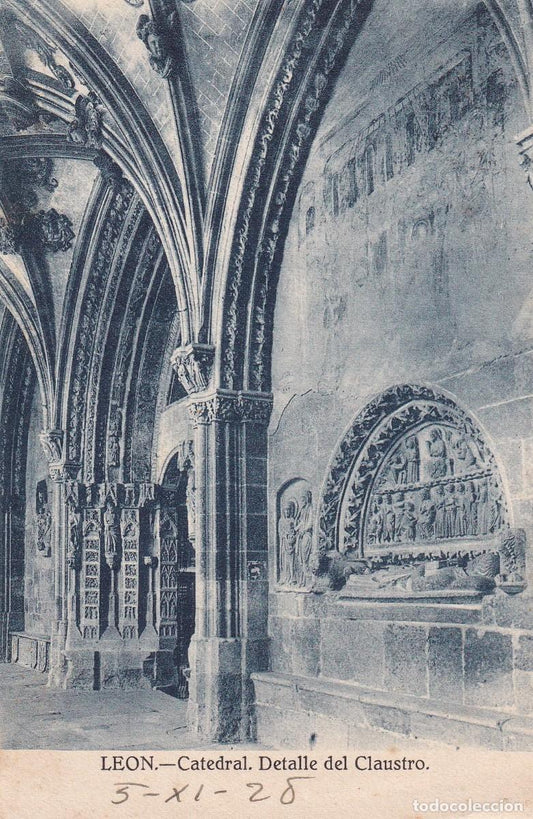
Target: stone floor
[(33, 716)]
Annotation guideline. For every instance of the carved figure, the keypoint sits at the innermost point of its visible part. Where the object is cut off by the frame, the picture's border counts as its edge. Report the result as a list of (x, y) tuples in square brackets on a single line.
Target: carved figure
[(304, 530), (412, 455), (409, 522), (399, 509), (375, 529), (483, 509), (399, 467), (287, 544), (73, 537), (44, 530), (495, 521), (464, 454), (438, 467), (111, 535), (426, 516), (462, 511), (156, 41), (113, 441), (450, 511), (390, 521), (440, 501), (471, 509)]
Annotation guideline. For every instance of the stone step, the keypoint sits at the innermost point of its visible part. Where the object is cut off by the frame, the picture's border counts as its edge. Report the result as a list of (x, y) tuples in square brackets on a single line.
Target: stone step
[(290, 709)]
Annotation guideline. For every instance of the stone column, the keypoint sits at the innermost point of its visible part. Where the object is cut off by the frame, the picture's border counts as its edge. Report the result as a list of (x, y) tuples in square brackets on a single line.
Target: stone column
[(231, 548), (11, 606), (60, 471)]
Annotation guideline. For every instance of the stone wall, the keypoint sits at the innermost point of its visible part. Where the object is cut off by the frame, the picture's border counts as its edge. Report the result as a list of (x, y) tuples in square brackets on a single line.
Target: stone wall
[(408, 262)]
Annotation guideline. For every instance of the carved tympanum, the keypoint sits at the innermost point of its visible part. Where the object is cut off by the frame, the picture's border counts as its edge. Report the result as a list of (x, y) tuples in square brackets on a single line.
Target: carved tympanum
[(435, 485), (414, 499)]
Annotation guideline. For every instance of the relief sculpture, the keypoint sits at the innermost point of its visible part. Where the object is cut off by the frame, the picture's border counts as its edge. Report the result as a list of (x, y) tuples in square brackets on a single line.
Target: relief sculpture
[(434, 486), (295, 536), (43, 521)]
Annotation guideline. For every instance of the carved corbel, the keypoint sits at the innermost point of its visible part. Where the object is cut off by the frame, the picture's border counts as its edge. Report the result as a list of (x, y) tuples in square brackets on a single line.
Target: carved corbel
[(52, 443), (157, 39), (110, 171), (193, 365), (86, 127)]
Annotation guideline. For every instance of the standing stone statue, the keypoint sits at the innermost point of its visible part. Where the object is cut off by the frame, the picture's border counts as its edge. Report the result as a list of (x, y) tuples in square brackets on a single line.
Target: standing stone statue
[(287, 544), (438, 467), (412, 455), (304, 529), (111, 535), (426, 516)]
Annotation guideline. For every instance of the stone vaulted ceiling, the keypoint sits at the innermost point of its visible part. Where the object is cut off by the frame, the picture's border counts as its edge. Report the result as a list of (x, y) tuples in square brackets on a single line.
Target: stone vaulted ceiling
[(191, 119)]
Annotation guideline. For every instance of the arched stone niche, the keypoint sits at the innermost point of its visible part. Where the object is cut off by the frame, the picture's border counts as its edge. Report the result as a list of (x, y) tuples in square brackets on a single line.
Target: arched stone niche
[(414, 482), (295, 535)]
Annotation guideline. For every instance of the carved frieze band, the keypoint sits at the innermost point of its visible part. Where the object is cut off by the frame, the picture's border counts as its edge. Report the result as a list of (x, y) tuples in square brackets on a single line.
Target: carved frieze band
[(232, 407), (93, 303)]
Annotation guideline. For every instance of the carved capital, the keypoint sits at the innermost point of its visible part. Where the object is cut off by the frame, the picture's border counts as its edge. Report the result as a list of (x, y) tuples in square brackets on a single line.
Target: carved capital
[(193, 365), (232, 407), (525, 148)]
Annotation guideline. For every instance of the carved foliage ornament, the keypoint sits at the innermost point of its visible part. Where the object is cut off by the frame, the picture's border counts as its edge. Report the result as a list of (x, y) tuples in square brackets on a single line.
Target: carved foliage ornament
[(313, 101), (231, 407), (46, 230), (93, 301)]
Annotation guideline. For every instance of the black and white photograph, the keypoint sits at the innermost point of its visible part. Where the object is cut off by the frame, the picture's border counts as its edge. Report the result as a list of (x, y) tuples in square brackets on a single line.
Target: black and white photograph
[(266, 396)]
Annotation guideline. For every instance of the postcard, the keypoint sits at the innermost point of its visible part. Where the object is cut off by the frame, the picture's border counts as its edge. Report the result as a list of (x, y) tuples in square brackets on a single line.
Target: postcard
[(266, 408)]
